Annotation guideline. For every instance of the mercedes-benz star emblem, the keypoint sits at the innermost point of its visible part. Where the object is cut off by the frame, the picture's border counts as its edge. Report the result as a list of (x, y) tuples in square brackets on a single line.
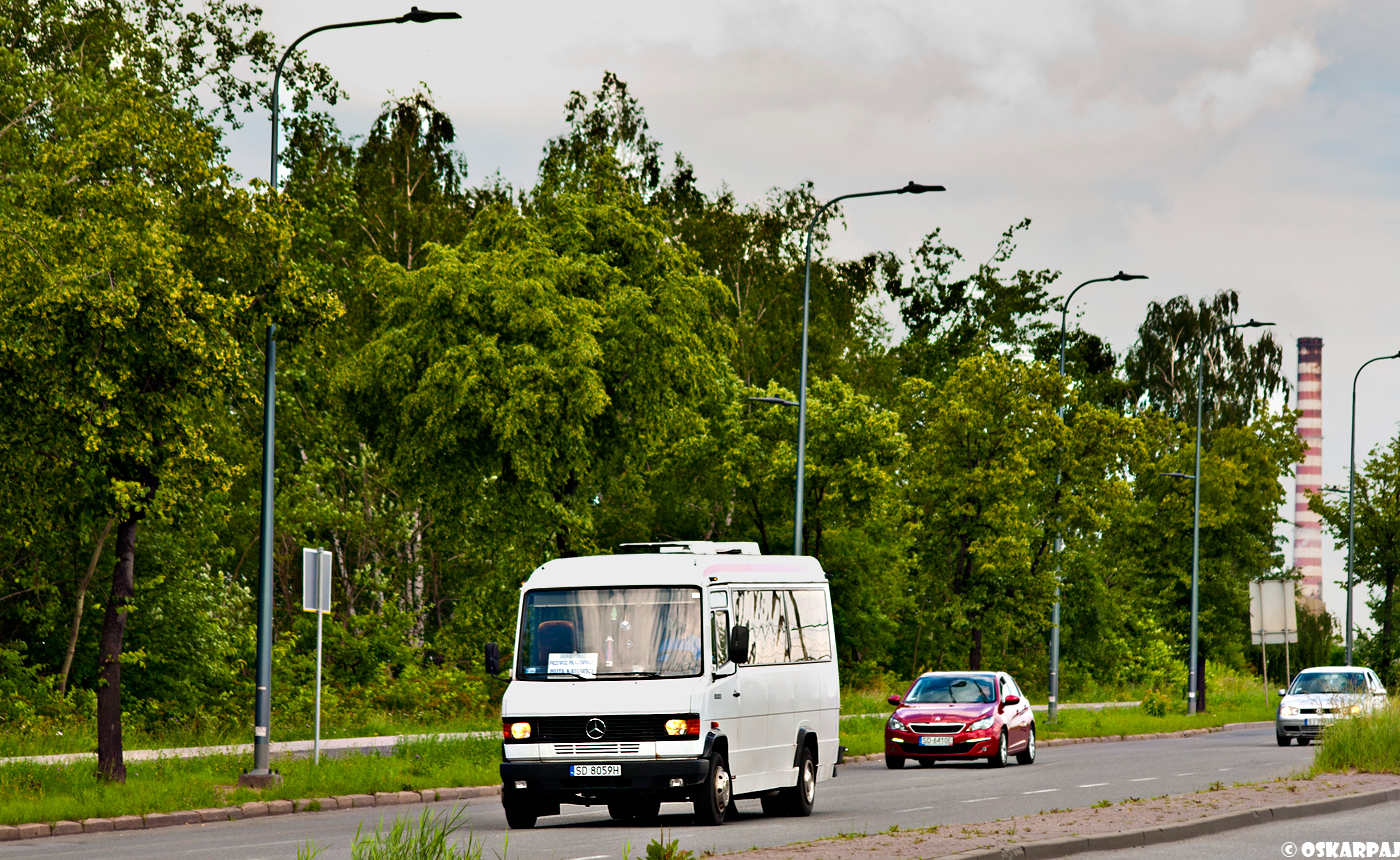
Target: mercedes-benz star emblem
[(595, 729)]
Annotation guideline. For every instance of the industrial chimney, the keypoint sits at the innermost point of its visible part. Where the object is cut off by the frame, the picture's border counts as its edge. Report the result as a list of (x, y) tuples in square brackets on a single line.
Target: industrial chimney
[(1307, 528)]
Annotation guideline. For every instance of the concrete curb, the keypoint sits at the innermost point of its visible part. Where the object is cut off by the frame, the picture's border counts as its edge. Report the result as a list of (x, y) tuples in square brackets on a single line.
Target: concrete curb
[(1070, 845), (1155, 736), (252, 809)]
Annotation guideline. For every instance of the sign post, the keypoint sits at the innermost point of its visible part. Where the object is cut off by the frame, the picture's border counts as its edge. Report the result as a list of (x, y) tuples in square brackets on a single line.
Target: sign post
[(1273, 620), (316, 597)]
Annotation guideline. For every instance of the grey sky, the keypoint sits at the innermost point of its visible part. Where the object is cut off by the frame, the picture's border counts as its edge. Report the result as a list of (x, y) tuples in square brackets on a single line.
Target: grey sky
[(1205, 143)]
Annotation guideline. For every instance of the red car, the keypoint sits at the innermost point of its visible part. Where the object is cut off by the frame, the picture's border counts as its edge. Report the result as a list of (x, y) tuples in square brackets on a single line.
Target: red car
[(956, 716)]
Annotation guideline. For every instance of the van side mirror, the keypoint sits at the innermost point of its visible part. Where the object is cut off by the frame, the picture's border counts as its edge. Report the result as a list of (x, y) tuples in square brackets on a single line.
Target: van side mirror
[(895, 700), (739, 644), (493, 659)]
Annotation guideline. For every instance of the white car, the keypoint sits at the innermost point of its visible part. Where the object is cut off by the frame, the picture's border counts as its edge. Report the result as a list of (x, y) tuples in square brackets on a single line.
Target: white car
[(1321, 696)]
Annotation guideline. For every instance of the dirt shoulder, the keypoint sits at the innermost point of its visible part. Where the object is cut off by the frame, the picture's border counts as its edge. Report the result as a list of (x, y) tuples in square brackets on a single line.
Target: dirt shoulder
[(942, 840)]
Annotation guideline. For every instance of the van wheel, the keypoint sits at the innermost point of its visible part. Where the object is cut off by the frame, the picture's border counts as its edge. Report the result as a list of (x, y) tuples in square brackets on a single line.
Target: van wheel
[(634, 809), (797, 800), (712, 797), (521, 812), (894, 762)]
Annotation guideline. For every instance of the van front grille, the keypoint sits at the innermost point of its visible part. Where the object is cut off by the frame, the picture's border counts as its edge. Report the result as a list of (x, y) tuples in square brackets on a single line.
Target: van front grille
[(597, 749), (616, 727)]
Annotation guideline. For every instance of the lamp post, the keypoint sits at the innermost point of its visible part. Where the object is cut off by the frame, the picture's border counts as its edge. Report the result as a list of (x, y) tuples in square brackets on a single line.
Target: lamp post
[(1196, 519), (260, 776), (1059, 541), (1351, 498), (910, 188)]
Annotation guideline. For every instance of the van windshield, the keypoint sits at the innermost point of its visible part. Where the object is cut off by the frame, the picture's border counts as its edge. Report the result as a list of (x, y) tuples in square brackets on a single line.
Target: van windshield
[(593, 633)]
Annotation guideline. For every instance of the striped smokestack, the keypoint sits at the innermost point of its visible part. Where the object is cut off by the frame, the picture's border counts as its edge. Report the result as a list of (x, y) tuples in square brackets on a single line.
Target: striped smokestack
[(1307, 529)]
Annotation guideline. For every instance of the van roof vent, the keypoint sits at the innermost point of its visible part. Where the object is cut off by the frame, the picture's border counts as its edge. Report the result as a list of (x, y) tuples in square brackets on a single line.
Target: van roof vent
[(692, 547)]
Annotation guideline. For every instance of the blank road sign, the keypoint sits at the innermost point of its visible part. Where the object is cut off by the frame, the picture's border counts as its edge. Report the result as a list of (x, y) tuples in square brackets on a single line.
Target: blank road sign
[(1273, 614), (315, 580)]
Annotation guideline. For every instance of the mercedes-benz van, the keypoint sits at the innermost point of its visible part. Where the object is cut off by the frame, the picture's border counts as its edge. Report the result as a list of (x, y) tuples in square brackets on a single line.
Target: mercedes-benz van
[(697, 672)]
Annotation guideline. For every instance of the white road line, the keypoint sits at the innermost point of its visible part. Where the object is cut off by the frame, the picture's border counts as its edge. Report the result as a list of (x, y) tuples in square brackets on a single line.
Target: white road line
[(1041, 791), (1188, 773), (915, 809), (1143, 779), (980, 799), (1093, 785), (1224, 768), (592, 857)]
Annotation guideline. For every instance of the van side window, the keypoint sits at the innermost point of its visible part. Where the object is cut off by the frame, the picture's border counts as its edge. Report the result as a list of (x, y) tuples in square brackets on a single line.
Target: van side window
[(811, 633), (785, 626)]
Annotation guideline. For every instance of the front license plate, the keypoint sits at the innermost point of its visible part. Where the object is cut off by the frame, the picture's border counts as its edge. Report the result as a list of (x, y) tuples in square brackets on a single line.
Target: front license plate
[(1312, 721), (595, 770), (935, 741)]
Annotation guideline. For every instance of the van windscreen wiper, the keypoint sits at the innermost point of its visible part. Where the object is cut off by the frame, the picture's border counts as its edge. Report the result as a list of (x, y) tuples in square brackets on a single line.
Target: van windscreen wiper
[(571, 675), (635, 674)]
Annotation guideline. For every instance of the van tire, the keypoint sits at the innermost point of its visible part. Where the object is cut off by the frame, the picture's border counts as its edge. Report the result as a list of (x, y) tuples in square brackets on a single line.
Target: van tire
[(521, 812), (713, 796), (797, 800)]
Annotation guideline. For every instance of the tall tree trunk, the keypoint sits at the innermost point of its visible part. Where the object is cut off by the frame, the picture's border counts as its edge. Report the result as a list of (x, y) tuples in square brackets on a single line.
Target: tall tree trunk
[(109, 686), (78, 609), (974, 657)]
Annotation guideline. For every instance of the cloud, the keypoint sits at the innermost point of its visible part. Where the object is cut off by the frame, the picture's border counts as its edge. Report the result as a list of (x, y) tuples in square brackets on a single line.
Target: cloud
[(1228, 98)]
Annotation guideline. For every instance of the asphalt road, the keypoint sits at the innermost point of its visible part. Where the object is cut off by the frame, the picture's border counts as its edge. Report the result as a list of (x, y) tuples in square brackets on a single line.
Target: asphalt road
[(866, 798), (1285, 839)]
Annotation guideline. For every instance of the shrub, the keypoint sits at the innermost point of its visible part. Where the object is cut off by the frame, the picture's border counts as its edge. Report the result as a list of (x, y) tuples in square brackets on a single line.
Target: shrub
[(1155, 703), (1370, 742)]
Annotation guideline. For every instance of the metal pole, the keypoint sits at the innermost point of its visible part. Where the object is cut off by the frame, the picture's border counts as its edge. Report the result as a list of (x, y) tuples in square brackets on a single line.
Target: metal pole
[(911, 188), (1196, 523), (262, 705), (320, 618), (1196, 535), (1351, 500), (1054, 711)]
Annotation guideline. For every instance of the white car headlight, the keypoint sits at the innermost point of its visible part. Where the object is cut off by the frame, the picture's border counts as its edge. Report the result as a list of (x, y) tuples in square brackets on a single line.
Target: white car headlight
[(1287, 711), (897, 725), (984, 723)]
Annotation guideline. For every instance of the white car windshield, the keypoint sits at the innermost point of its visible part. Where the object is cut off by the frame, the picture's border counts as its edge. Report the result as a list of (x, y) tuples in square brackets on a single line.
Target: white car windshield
[(593, 633), (946, 690), (1324, 683)]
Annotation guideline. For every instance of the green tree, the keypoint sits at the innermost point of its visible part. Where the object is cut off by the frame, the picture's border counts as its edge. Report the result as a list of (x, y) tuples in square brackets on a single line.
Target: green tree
[(1376, 559), (135, 265)]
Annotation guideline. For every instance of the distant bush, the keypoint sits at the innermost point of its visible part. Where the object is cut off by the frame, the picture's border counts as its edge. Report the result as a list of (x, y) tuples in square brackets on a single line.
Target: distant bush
[(1155, 703)]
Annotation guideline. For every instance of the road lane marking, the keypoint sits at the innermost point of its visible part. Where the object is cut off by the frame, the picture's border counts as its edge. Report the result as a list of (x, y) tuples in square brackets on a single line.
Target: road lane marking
[(1188, 773), (1143, 779), (593, 857), (1224, 768), (1093, 785), (980, 799), (1041, 791), (915, 809)]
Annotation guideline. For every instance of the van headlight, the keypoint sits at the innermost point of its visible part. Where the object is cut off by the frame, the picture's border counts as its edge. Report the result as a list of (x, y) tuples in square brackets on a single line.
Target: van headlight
[(897, 725), (984, 723), (683, 727), (519, 731)]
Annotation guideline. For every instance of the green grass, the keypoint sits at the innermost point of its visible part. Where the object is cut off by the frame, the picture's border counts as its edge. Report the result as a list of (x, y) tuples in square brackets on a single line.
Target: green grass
[(1079, 723), (1369, 743), (30, 792), (72, 736)]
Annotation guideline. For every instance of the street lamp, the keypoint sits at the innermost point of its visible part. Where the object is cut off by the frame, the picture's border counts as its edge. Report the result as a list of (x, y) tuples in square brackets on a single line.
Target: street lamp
[(1196, 522), (776, 401), (1059, 541), (260, 776), (1351, 498), (910, 188)]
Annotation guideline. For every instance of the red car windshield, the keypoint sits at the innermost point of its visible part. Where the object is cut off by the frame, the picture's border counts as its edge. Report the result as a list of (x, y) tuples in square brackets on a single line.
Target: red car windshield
[(952, 690)]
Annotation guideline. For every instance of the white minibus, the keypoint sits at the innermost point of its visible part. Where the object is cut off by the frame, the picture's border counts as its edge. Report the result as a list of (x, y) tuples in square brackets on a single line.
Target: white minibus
[(699, 672)]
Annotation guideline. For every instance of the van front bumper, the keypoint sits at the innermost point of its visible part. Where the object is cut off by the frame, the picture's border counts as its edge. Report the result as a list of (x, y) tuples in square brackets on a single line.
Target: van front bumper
[(554, 778)]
